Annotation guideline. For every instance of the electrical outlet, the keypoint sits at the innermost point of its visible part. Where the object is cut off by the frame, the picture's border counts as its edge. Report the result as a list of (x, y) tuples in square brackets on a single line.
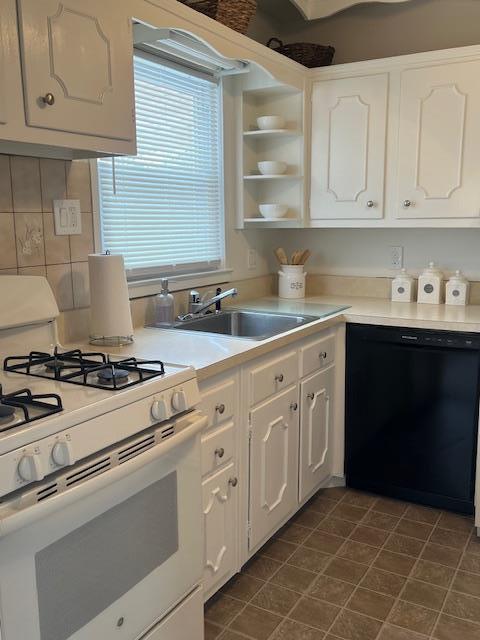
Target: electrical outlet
[(252, 259), (396, 257)]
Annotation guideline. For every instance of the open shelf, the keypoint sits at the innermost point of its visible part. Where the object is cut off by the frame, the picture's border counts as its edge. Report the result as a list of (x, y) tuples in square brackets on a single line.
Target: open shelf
[(282, 219), (259, 96), (286, 176), (272, 133)]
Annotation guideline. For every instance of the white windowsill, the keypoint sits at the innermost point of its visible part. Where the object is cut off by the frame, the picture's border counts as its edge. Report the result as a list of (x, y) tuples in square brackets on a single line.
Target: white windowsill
[(152, 286)]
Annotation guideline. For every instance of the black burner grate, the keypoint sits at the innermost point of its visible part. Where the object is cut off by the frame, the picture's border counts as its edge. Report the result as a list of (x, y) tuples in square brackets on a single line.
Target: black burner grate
[(90, 369), (31, 407)]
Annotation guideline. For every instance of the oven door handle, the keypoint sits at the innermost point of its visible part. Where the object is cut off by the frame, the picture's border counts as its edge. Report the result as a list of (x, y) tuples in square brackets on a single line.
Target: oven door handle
[(14, 520)]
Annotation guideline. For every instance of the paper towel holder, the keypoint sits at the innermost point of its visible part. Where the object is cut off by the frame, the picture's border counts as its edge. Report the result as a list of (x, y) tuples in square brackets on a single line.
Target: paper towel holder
[(111, 341), (114, 339)]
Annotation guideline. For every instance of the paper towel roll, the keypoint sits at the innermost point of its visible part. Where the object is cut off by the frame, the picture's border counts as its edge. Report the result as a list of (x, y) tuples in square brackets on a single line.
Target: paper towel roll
[(111, 318)]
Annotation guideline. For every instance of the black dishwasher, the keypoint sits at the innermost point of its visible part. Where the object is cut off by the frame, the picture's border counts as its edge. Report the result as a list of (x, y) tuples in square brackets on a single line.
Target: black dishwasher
[(412, 400)]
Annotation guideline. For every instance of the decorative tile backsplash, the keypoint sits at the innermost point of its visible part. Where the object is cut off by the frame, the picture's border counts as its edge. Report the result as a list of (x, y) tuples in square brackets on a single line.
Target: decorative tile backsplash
[(28, 244)]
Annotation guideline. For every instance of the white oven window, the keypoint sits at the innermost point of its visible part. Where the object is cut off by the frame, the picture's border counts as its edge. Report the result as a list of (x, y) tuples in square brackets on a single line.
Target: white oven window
[(83, 573)]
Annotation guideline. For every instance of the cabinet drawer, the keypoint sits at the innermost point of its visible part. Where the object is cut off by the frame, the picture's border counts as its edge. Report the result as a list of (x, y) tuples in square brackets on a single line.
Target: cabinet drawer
[(272, 376), (316, 355), (217, 448), (218, 403)]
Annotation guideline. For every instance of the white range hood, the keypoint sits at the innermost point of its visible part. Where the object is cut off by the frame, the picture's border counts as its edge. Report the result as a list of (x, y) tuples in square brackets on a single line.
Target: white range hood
[(313, 9)]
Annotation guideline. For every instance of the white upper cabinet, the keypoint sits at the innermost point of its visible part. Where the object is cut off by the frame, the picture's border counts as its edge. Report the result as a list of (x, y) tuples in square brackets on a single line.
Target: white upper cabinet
[(77, 66), (438, 167), (348, 148)]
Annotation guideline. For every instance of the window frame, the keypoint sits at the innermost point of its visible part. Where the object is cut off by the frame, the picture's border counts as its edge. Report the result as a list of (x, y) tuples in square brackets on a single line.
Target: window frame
[(144, 284)]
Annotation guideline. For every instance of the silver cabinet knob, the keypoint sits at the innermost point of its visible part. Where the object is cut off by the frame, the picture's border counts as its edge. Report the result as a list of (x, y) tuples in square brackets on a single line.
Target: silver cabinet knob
[(407, 204), (48, 99), (311, 396), (279, 377), (220, 408), (370, 204), (233, 482), (220, 452), (294, 406), (322, 355)]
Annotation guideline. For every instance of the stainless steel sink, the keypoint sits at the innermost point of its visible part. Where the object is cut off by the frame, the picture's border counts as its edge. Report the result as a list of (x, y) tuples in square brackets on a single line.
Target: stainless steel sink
[(255, 325)]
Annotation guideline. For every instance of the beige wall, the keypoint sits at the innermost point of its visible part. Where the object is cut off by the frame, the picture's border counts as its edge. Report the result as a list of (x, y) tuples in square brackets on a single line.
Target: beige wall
[(376, 30), (28, 244), (366, 252)]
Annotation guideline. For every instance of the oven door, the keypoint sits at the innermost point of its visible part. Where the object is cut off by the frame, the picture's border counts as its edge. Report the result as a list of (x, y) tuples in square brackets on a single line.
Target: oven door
[(110, 557)]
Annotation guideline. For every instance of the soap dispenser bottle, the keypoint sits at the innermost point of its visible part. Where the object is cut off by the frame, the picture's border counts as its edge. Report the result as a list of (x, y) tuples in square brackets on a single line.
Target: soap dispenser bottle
[(164, 306)]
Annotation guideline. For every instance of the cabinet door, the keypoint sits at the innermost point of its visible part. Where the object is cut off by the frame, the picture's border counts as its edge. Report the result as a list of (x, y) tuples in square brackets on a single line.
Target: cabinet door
[(349, 119), (220, 521), (80, 56), (316, 431), (3, 83), (273, 464), (439, 172)]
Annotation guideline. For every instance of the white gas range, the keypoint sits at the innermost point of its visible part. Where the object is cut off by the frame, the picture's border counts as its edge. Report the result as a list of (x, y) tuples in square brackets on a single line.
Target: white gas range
[(100, 505)]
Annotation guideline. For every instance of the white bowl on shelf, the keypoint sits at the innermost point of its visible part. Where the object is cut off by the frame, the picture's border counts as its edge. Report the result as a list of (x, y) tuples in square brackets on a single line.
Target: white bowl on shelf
[(273, 210), (272, 168), (267, 123)]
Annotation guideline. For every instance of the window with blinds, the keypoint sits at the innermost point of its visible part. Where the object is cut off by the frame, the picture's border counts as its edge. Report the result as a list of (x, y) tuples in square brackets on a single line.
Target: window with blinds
[(163, 209)]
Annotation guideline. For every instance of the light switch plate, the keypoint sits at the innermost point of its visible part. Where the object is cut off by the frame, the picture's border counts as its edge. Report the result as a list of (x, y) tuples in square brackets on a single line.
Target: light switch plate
[(68, 217)]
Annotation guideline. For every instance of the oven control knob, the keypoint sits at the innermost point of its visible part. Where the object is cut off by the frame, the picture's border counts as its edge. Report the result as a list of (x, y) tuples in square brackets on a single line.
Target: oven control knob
[(179, 401), (159, 410), (62, 454), (30, 467)]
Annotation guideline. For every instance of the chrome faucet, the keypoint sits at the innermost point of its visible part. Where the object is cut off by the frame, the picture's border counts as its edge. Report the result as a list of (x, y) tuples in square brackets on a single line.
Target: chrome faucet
[(200, 307)]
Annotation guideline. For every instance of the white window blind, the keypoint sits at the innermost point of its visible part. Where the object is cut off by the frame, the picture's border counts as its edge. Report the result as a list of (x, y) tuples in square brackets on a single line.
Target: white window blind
[(163, 209)]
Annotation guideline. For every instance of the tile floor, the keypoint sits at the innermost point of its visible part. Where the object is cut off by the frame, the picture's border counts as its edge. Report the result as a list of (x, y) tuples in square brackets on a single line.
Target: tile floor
[(353, 566)]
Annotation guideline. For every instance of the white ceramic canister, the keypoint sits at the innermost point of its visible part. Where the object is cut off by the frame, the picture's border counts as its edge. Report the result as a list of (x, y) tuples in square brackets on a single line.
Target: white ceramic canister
[(430, 285), (457, 289), (403, 287), (291, 281)]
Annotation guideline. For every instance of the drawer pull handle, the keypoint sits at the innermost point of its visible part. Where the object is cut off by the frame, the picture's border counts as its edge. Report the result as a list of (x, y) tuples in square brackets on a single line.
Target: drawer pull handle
[(323, 355), (233, 482), (220, 452), (279, 378), (311, 396), (294, 406), (220, 408)]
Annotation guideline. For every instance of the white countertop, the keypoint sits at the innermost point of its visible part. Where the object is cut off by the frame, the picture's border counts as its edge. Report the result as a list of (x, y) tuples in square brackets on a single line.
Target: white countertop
[(210, 355)]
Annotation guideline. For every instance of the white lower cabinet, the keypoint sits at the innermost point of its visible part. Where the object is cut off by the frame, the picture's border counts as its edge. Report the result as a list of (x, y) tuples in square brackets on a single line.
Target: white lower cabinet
[(219, 513), (269, 446), (273, 464), (316, 431)]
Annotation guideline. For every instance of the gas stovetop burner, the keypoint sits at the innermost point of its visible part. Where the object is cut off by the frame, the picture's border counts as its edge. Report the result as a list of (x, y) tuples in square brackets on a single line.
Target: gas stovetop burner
[(22, 407), (108, 375), (90, 369), (6, 412)]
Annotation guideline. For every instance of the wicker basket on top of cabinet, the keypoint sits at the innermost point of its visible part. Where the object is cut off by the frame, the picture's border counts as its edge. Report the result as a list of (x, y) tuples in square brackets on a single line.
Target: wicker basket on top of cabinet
[(235, 14)]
